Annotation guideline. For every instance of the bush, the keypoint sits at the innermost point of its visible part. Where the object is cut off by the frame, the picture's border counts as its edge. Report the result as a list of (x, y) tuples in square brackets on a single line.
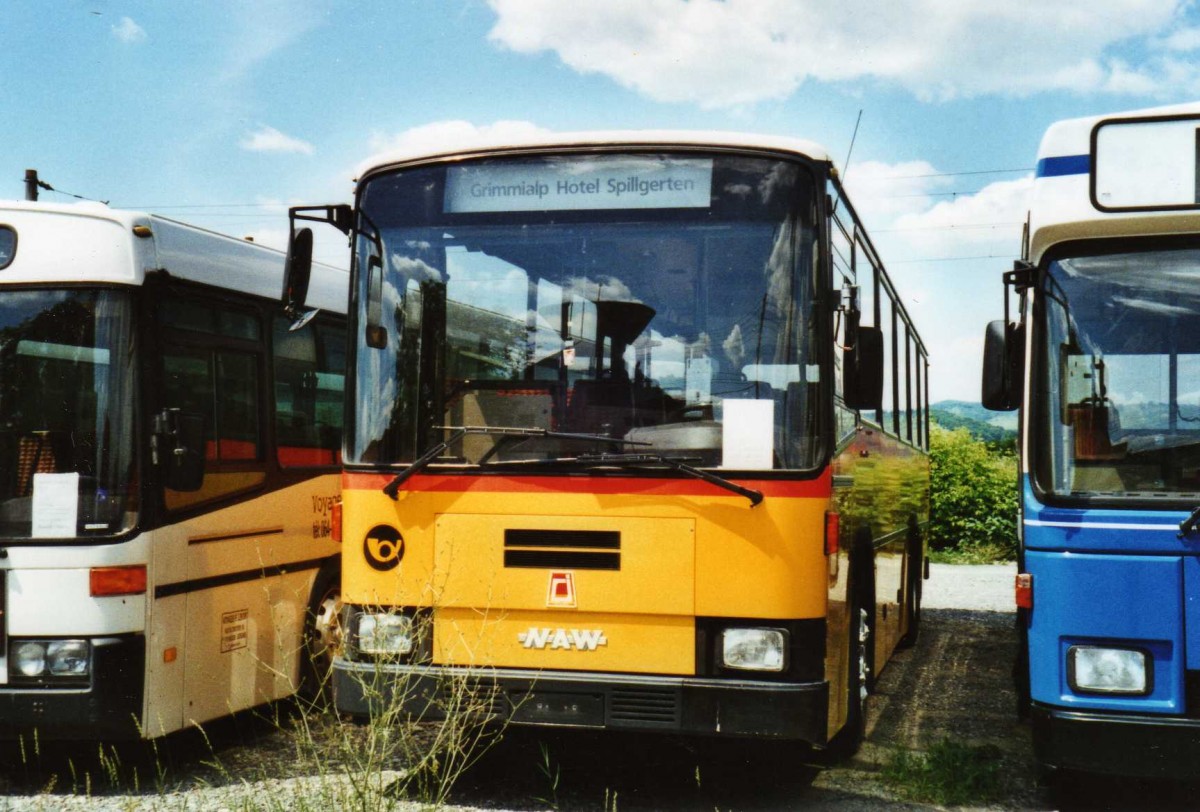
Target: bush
[(973, 505)]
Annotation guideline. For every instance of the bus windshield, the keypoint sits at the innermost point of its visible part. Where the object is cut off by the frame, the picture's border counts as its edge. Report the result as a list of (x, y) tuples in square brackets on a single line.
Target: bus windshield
[(1119, 376), (67, 453), (661, 300)]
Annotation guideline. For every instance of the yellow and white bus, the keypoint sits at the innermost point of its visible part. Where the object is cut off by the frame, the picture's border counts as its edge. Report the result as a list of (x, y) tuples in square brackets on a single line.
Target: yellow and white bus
[(636, 439), (169, 454)]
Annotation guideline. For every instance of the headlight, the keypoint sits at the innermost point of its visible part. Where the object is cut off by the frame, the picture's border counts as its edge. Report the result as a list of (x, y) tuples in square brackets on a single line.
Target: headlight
[(1101, 670), (754, 649), (30, 658), (384, 633), (53, 659), (68, 658)]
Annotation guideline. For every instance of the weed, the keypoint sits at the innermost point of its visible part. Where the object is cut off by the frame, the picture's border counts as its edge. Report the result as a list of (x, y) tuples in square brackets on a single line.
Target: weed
[(950, 773), (552, 773)]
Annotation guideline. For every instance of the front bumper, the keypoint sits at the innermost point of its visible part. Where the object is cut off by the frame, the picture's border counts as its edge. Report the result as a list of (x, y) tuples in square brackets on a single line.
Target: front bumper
[(108, 709), (1117, 744), (718, 707)]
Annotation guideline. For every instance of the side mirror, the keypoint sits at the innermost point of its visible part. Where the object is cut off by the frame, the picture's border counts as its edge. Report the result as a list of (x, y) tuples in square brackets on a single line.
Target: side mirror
[(862, 370), (376, 333), (178, 449), (297, 271), (1003, 361)]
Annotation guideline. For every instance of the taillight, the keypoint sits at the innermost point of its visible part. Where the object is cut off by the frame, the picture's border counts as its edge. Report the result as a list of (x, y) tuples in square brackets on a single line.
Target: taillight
[(1024, 590), (335, 521), (833, 526), (104, 581)]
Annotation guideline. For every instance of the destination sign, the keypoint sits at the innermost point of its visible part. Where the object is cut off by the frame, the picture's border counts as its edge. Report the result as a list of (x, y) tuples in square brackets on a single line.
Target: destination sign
[(629, 183)]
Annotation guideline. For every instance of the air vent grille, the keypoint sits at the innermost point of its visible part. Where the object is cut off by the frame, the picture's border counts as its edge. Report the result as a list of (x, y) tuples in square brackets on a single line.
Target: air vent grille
[(646, 706), (563, 549)]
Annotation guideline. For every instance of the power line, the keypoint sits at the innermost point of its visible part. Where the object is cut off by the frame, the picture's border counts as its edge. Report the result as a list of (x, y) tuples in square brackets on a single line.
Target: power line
[(208, 206), (951, 259), (955, 193), (963, 226), (954, 174)]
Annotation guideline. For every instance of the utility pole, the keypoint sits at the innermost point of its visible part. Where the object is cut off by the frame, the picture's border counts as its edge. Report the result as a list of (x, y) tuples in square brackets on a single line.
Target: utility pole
[(31, 184)]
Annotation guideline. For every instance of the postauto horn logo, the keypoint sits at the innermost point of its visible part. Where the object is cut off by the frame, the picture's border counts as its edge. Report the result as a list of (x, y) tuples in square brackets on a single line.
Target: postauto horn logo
[(383, 547)]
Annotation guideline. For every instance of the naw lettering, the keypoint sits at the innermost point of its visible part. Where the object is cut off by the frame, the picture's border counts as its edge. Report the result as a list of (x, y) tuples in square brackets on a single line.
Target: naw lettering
[(575, 639)]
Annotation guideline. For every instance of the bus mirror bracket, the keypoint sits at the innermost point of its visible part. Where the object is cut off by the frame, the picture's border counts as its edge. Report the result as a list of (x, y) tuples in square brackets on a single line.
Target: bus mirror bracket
[(177, 448), (340, 216), (297, 267), (862, 373), (1004, 347)]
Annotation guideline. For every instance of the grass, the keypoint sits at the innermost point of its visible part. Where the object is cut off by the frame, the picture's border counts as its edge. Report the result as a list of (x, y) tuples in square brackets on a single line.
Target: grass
[(318, 761), (949, 774), (972, 554)]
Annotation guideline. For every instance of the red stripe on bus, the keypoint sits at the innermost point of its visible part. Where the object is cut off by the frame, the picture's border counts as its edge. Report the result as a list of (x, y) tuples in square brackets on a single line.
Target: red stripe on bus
[(820, 487), (295, 456)]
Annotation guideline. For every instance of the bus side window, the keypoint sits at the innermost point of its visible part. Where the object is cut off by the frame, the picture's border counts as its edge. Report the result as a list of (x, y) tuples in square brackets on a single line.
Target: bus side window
[(211, 367), (309, 366)]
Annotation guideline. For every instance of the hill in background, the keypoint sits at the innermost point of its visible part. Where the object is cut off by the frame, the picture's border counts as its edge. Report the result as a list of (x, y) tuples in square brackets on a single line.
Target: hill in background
[(990, 427)]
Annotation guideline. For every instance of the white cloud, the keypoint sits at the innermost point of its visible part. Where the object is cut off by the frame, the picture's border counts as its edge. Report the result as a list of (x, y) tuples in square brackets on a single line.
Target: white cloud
[(269, 139), (727, 53), (882, 192), (452, 134), (128, 31), (946, 251), (970, 221), (1186, 39), (264, 29), (444, 136)]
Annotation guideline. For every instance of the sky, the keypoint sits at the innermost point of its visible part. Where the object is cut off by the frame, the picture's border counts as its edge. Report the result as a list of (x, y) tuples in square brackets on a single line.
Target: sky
[(223, 113)]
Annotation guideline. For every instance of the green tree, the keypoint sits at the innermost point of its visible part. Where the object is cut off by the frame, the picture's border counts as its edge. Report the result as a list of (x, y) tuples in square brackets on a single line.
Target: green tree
[(973, 508)]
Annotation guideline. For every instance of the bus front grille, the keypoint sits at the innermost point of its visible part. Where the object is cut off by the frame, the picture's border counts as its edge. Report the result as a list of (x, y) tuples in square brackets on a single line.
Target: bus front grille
[(645, 706), (562, 549)]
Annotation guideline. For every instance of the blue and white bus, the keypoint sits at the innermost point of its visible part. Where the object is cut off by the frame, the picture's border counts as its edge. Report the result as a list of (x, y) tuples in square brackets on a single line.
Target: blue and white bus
[(169, 457), (1103, 359)]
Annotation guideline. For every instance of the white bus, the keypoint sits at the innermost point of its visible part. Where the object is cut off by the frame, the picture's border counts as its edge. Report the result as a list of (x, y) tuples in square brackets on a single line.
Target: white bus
[(169, 456)]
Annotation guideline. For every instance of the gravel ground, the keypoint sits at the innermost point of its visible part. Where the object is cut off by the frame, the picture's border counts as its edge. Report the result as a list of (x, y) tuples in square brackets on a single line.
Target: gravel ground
[(954, 682), (982, 588)]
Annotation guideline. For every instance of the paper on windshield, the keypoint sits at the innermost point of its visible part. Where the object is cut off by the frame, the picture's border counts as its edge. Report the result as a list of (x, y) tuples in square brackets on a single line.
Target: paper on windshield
[(55, 505), (748, 434)]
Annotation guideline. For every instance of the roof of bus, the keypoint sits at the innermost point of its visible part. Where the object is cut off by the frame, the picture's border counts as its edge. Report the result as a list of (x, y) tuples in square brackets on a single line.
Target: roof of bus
[(438, 145), (1061, 207), (1073, 136), (103, 248)]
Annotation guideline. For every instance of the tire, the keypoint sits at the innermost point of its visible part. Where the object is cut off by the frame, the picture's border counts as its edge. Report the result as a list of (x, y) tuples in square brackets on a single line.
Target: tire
[(860, 678), (322, 633), (913, 587), (1020, 672)]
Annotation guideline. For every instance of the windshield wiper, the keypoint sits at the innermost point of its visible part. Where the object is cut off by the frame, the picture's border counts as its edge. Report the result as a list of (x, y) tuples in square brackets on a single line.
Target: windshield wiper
[(676, 463), (392, 489), (1189, 524)]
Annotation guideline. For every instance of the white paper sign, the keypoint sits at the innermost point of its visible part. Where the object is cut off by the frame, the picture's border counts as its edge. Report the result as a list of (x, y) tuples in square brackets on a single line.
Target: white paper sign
[(577, 186), (748, 434), (55, 505)]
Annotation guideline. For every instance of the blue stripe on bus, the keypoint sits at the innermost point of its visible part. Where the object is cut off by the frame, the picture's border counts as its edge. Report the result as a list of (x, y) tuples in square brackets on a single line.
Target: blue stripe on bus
[(1064, 165)]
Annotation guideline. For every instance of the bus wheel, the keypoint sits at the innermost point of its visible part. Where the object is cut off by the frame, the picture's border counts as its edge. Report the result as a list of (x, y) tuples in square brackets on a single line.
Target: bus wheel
[(322, 633), (859, 678)]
